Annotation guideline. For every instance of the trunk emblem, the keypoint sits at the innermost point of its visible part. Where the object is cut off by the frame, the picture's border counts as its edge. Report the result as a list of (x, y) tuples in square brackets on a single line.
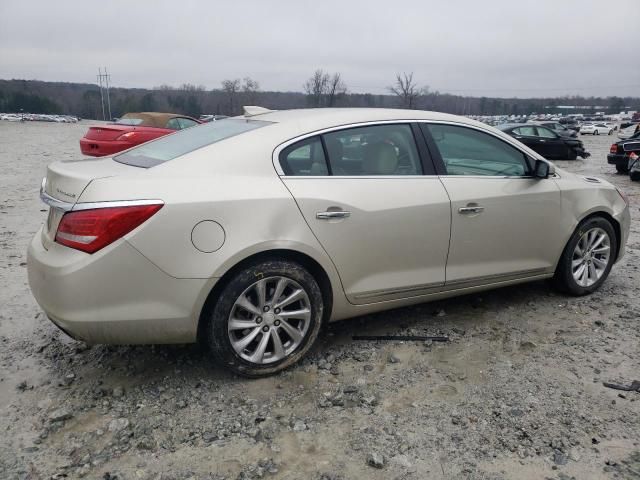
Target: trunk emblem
[(70, 195)]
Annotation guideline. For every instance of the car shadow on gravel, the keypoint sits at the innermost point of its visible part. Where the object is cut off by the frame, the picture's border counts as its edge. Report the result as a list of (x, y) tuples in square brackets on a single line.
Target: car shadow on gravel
[(192, 363)]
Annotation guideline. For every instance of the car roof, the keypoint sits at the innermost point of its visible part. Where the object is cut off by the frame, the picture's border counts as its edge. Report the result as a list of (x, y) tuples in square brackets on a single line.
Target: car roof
[(154, 119), (309, 120)]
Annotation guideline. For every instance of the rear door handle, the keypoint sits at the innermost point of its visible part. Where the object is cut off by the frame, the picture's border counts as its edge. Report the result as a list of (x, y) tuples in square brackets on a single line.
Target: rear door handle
[(469, 210), (332, 214)]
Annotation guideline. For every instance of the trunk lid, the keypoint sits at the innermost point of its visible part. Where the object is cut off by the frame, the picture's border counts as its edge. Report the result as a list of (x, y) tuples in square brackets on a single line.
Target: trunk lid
[(65, 182), (107, 132)]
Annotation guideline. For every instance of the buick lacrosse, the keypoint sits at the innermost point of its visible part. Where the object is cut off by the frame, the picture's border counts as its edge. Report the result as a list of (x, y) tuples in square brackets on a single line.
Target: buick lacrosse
[(251, 233)]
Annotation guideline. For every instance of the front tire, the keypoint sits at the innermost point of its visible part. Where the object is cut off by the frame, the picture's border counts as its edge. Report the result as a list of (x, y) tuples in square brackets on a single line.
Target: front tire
[(571, 154), (635, 176), (266, 318), (587, 258)]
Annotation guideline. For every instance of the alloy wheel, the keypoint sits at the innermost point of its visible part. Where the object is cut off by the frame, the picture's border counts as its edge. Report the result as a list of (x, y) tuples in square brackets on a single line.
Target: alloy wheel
[(269, 320), (591, 257)]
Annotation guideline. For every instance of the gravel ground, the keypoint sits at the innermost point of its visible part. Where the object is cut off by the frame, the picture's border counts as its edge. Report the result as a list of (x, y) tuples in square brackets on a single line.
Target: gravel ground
[(516, 394)]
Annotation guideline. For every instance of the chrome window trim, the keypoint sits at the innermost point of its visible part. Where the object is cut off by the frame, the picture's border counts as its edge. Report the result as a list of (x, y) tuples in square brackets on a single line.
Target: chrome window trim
[(276, 152), (507, 139)]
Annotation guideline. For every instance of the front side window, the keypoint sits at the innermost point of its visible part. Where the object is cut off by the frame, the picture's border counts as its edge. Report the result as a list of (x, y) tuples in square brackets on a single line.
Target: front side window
[(304, 158), (173, 124), (466, 151), (525, 131), (373, 150)]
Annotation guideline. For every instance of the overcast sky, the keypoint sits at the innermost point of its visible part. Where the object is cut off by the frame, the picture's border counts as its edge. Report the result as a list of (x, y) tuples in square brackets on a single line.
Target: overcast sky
[(485, 47)]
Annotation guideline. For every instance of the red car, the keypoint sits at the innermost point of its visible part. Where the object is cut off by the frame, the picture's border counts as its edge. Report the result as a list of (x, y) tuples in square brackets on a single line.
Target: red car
[(131, 130)]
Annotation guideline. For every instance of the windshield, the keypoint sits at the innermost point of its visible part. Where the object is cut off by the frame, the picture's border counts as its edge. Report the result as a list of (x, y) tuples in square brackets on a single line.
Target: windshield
[(185, 141)]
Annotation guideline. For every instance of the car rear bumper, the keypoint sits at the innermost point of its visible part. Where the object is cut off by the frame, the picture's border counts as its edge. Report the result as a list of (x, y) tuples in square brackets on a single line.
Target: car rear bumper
[(101, 148), (617, 159), (114, 296)]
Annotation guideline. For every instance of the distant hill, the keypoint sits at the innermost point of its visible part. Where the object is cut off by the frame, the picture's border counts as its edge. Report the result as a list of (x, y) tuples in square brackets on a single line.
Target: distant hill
[(83, 100)]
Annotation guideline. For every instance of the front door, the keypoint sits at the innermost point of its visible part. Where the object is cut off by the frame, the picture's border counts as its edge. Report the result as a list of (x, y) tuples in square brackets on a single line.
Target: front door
[(382, 221), (505, 224)]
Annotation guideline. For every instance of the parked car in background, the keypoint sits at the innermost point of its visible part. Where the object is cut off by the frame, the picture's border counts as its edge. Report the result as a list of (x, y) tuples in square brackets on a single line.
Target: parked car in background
[(545, 141), (620, 151), (629, 131), (559, 129), (251, 233), (130, 130), (595, 129)]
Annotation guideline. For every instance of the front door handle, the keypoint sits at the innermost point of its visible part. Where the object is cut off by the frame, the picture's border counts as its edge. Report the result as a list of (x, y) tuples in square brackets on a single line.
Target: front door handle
[(332, 214), (470, 210)]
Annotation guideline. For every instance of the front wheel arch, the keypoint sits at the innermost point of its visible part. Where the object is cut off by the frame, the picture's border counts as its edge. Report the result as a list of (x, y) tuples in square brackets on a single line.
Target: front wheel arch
[(314, 268)]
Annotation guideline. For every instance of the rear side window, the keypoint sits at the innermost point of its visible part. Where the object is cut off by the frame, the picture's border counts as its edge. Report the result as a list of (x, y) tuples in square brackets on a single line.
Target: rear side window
[(173, 124), (304, 158), (185, 141), (373, 150), (546, 133), (186, 122), (466, 151)]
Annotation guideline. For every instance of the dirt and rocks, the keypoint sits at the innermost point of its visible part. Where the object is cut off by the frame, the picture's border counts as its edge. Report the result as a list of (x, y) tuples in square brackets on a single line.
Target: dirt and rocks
[(517, 392)]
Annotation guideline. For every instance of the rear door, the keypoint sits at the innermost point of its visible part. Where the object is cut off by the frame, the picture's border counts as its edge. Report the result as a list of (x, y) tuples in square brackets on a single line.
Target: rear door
[(505, 224), (376, 207)]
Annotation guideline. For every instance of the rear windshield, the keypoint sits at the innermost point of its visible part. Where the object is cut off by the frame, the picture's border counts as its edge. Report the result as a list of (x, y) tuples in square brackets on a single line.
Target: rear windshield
[(128, 121), (185, 141)]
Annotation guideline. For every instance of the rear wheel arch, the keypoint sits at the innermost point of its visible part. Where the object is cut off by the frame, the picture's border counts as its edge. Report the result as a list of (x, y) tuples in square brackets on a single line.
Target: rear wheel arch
[(304, 260)]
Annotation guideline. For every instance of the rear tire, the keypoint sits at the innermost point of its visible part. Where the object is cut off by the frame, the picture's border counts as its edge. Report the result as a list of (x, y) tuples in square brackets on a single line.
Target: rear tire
[(596, 132), (253, 331), (587, 258)]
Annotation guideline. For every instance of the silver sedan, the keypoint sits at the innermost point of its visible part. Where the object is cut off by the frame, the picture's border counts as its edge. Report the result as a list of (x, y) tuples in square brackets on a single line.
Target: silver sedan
[(250, 233)]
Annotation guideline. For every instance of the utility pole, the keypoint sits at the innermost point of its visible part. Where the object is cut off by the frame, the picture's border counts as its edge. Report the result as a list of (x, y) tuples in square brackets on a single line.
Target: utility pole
[(101, 93), (103, 80)]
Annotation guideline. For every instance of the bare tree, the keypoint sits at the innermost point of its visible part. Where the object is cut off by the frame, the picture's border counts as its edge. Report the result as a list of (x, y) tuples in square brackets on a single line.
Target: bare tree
[(250, 89), (316, 87), (231, 89), (335, 89), (406, 90), (323, 89)]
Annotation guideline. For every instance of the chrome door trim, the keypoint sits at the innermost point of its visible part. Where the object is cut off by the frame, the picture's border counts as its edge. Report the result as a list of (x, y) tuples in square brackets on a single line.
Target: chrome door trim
[(496, 277), (398, 291)]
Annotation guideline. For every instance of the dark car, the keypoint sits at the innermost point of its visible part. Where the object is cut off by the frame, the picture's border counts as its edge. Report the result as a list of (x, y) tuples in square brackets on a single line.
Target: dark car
[(560, 129), (545, 141), (620, 151)]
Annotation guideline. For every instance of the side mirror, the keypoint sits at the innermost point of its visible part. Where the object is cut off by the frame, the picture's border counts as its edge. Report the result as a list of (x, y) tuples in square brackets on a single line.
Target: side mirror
[(543, 169)]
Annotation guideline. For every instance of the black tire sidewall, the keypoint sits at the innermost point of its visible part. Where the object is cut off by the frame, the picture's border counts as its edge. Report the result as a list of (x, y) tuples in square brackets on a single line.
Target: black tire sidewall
[(217, 336), (564, 275)]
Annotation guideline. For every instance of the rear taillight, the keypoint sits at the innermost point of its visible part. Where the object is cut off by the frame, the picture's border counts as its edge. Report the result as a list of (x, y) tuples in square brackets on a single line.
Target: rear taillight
[(613, 149), (91, 230)]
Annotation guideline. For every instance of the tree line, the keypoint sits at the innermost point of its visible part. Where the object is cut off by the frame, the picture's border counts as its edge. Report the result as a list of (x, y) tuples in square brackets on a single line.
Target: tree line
[(321, 89)]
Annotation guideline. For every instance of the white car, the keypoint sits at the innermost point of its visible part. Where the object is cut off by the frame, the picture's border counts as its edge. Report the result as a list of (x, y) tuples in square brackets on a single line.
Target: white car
[(595, 129), (628, 132), (251, 233)]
